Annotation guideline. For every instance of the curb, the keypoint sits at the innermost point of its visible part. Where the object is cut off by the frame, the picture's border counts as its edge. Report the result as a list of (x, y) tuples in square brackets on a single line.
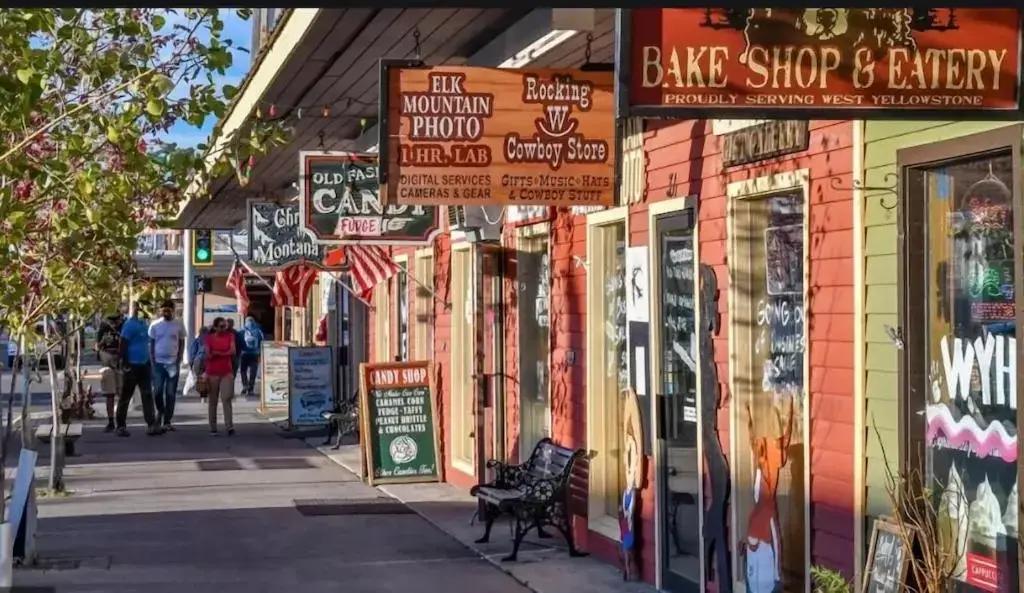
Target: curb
[(495, 562)]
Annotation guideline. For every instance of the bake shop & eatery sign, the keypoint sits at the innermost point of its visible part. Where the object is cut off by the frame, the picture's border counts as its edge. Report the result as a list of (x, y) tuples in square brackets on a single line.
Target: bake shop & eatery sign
[(877, 62), (473, 136), (340, 204)]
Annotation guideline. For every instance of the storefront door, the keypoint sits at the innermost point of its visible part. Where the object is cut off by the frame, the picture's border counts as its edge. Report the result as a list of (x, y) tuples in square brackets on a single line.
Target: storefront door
[(961, 316), (533, 274), (679, 474)]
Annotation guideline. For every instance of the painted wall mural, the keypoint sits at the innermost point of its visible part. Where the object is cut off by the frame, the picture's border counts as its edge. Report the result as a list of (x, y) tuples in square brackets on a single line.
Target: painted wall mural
[(716, 495)]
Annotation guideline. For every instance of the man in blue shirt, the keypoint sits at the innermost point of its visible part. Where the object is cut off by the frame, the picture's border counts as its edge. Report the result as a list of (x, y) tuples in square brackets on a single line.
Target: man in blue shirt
[(251, 342), (135, 357)]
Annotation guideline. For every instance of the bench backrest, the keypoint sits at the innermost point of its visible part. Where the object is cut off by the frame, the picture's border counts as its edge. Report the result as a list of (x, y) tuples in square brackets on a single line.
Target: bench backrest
[(549, 460)]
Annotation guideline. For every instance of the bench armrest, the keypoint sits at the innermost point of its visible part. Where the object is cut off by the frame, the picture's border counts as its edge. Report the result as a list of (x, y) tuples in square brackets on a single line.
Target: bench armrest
[(506, 475), (544, 490)]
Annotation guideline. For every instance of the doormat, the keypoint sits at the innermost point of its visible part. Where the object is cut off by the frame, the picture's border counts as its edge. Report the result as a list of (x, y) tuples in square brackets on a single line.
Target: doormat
[(326, 507)]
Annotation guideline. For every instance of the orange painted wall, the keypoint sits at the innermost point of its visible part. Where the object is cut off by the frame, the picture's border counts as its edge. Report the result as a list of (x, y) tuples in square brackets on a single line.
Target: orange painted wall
[(689, 150)]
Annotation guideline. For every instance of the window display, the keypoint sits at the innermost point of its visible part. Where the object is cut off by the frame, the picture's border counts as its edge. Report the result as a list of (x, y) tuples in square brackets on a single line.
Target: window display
[(971, 413)]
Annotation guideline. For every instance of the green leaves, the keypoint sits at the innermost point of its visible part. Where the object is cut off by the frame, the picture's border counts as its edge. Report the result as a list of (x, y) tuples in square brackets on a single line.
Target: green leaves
[(84, 94), (155, 107)]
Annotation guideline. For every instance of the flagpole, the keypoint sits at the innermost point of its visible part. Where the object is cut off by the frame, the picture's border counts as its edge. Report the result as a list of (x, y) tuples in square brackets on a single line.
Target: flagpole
[(430, 291)]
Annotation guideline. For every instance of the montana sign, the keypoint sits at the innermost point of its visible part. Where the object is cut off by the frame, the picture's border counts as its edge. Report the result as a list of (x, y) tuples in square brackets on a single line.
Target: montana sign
[(340, 204), (469, 136), (276, 239), (822, 60)]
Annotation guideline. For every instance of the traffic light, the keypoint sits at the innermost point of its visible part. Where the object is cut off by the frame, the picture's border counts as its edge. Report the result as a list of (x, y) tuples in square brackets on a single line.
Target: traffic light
[(202, 247)]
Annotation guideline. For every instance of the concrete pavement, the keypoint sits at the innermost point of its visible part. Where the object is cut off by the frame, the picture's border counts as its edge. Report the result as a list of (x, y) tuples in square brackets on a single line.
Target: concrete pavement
[(189, 512)]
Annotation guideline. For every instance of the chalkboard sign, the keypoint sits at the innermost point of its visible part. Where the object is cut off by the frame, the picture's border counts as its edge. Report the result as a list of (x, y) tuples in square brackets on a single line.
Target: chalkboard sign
[(888, 558), (310, 385), (399, 423), (274, 373)]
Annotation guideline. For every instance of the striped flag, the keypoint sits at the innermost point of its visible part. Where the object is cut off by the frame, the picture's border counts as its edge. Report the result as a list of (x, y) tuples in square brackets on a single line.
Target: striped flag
[(292, 286), (369, 265), (236, 284)]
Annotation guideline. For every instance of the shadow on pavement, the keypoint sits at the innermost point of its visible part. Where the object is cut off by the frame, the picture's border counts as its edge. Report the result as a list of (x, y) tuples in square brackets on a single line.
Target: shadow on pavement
[(260, 549)]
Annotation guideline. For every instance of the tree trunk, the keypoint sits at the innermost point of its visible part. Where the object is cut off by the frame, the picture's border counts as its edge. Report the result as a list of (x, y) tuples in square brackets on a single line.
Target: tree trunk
[(57, 434), (27, 436), (8, 430)]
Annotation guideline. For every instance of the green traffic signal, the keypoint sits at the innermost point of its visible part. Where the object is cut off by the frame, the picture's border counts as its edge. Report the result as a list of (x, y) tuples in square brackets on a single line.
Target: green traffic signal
[(202, 252)]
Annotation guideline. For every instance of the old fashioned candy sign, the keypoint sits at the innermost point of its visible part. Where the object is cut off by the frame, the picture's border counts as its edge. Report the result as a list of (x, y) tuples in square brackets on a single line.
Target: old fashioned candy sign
[(823, 59), (339, 203), (481, 136)]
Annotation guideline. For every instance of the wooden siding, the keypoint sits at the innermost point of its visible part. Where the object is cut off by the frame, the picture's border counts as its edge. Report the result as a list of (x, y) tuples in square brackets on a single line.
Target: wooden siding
[(881, 416), (692, 153)]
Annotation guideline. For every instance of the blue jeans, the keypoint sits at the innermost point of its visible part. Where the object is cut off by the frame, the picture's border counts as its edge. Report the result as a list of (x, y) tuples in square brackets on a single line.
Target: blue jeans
[(250, 365), (165, 389)]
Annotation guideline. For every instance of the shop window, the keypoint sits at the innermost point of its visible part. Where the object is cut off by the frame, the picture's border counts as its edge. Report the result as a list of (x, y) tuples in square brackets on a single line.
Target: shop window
[(463, 340), (402, 308), (969, 426), (533, 274), (381, 323), (423, 306), (607, 368), (770, 386)]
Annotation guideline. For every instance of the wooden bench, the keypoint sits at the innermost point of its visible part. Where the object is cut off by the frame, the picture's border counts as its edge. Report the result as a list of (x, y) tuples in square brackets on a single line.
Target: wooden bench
[(72, 432), (342, 421), (535, 494)]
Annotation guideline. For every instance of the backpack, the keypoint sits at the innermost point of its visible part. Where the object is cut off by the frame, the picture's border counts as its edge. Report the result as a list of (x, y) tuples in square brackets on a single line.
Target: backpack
[(252, 339)]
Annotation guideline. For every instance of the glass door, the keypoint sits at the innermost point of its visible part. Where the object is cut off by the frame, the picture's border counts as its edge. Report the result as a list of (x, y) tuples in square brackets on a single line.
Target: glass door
[(533, 273), (679, 474)]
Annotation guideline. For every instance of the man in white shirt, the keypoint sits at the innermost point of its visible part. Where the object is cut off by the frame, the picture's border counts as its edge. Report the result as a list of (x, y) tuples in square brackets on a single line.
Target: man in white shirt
[(166, 348)]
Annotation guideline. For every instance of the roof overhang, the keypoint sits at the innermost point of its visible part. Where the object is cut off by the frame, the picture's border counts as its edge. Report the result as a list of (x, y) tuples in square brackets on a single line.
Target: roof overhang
[(329, 57)]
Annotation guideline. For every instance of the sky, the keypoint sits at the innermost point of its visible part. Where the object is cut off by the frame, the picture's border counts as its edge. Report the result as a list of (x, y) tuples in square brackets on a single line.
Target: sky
[(240, 32)]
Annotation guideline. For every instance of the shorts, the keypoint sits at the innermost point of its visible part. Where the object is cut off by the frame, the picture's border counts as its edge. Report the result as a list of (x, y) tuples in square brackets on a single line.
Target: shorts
[(111, 376)]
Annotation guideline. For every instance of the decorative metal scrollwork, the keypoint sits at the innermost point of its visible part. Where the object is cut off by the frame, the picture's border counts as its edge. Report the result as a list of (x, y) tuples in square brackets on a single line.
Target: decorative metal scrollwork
[(892, 181)]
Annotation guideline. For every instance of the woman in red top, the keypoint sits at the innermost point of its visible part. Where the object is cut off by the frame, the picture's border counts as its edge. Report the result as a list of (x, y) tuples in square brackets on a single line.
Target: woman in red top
[(220, 353)]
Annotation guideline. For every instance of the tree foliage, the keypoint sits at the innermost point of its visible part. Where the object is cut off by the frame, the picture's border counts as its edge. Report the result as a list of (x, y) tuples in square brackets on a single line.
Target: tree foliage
[(85, 95)]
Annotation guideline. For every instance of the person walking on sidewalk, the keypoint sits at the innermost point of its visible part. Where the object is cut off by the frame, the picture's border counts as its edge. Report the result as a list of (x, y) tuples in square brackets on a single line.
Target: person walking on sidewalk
[(135, 352), (108, 349), (252, 341), (220, 354), (196, 353), (166, 349)]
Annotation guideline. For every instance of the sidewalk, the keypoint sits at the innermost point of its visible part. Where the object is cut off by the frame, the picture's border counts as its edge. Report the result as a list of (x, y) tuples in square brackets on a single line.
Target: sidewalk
[(189, 512), (543, 566)]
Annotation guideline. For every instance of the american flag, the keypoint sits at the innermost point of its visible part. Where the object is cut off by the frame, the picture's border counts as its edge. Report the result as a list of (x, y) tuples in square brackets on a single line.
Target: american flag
[(236, 284), (292, 286), (369, 265)]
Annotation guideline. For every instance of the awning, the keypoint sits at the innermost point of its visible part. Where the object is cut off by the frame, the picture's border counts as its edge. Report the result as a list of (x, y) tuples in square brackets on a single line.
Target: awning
[(320, 58)]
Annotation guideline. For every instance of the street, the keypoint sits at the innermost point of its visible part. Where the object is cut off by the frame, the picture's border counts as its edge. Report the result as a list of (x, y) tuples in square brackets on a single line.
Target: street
[(187, 511)]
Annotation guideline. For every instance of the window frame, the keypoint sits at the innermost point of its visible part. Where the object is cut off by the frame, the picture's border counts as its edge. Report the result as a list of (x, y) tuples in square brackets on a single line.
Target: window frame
[(913, 292), (738, 193), (525, 236), (596, 413), (463, 456), (423, 305), (402, 261), (381, 323)]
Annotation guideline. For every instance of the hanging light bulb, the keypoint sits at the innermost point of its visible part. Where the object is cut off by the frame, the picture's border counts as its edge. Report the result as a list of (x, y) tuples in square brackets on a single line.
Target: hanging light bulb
[(272, 112), (259, 114), (326, 112)]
